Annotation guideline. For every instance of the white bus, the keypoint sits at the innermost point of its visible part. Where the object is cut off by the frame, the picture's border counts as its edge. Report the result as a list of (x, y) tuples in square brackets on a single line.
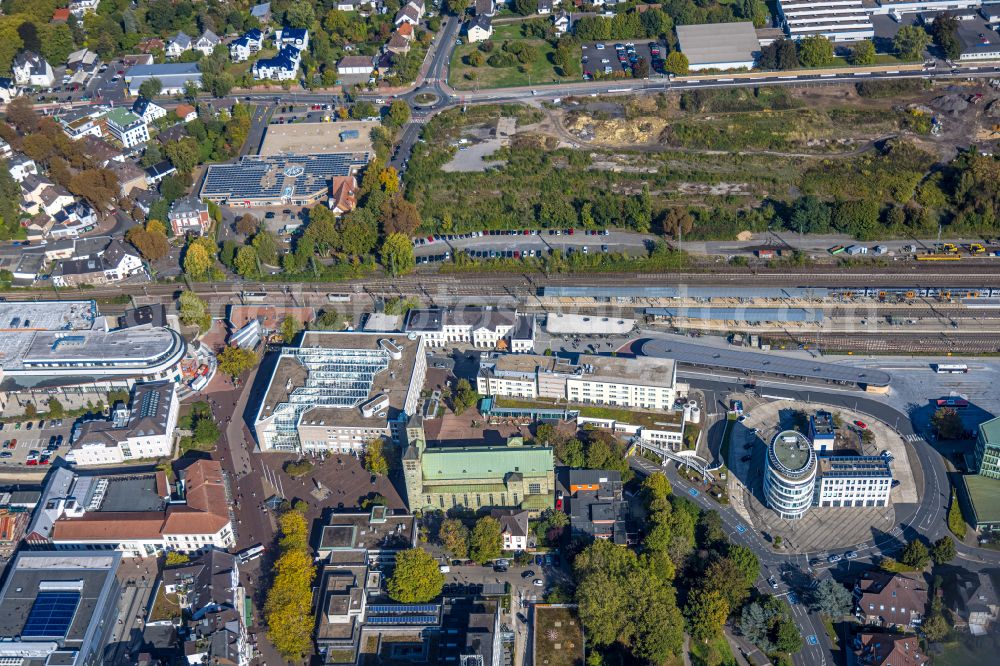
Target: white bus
[(250, 554), (254, 296), (338, 298), (951, 368)]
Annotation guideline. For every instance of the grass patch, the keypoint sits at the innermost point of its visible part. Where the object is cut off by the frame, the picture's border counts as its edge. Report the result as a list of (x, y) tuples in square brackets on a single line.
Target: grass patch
[(726, 436), (165, 607), (831, 631), (558, 626), (645, 419), (539, 71), (714, 653), (968, 650), (895, 566)]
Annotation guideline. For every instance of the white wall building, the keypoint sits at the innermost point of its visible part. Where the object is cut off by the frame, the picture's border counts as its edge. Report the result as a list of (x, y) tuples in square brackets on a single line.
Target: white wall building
[(790, 474), (837, 20), (178, 45), (853, 481), (142, 430), (128, 128), (31, 69), (484, 327)]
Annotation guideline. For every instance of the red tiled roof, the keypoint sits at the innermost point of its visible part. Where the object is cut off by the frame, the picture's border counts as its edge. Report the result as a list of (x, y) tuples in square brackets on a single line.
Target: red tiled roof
[(60, 15), (110, 525)]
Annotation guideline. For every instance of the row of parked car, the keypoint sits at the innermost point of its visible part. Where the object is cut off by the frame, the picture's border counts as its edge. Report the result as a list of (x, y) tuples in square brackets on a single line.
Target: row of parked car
[(28, 425), (445, 238)]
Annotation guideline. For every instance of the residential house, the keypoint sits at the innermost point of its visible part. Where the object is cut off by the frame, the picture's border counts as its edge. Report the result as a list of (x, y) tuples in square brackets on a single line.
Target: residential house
[(144, 200), (39, 227), (486, 8), (344, 194), (8, 90), (32, 186), (262, 12), (296, 37), (147, 109), (158, 172), (479, 29), (178, 45), (6, 152), (354, 65), (130, 176), (31, 69), (55, 198), (597, 508), (241, 49), (72, 219), (114, 264), (171, 134), (83, 65), (561, 22), (282, 67), (514, 528), (186, 112), (60, 15), (889, 600), (21, 166), (206, 43), (879, 649), (83, 121), (408, 14), (128, 128), (977, 605), (80, 7), (406, 31), (545, 7), (398, 44), (189, 215)]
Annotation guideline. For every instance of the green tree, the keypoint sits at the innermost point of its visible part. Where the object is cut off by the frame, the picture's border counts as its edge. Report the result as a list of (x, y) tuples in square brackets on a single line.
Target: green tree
[(831, 598), (815, 51), (863, 53), (948, 424), (175, 558), (375, 459), (935, 627), (745, 561), (300, 15), (943, 550), (290, 327), (185, 154), (915, 554), (526, 7), (454, 536), (363, 109), (397, 254), (193, 311), (956, 522), (457, 7), (706, 612), (656, 486), (944, 30), (399, 113), (725, 577), (234, 361), (910, 42), (267, 247), (677, 63), (150, 88), (416, 578), (787, 639), (486, 542), (246, 262), (463, 397), (328, 320), (56, 410), (30, 411)]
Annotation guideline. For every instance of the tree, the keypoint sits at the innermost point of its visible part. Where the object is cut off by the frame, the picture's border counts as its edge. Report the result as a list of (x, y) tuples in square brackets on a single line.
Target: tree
[(399, 113), (30, 411), (375, 460), (457, 7), (726, 578), (677, 63), (397, 254), (943, 550), (463, 397), (150, 88), (863, 53), (328, 320), (788, 638), (184, 154), (266, 245), (956, 522), (944, 30), (476, 59), (300, 15), (198, 262), (935, 627), (175, 558), (831, 598), (677, 221), (486, 542), (915, 554), (706, 612), (363, 109), (287, 610), (948, 424), (526, 7), (745, 561), (641, 68), (656, 486), (246, 262), (399, 216), (193, 311), (290, 327), (234, 361), (779, 54), (359, 232), (815, 51), (910, 42), (56, 409), (416, 579), (454, 536), (247, 224)]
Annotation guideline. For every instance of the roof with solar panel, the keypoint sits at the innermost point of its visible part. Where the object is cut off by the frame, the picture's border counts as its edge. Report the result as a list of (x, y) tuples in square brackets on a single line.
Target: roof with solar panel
[(278, 179)]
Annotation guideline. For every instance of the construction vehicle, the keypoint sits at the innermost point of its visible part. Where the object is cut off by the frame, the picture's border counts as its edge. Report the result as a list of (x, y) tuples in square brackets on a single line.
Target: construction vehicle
[(949, 248), (938, 257), (976, 248), (836, 249)]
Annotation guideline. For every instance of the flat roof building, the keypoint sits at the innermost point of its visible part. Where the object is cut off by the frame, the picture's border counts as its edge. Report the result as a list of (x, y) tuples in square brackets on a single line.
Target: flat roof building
[(837, 20), (373, 536), (174, 76), (58, 608), (345, 136), (337, 391), (853, 481), (719, 45), (790, 474), (597, 508), (822, 431), (276, 180)]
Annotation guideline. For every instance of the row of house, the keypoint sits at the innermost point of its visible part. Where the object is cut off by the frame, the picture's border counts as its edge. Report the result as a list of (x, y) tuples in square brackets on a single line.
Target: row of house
[(357, 68), (181, 43), (283, 66)]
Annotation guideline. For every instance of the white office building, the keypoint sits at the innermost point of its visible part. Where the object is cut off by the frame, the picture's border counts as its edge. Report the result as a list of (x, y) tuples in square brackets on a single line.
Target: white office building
[(837, 20), (790, 474), (853, 481), (483, 327), (142, 430)]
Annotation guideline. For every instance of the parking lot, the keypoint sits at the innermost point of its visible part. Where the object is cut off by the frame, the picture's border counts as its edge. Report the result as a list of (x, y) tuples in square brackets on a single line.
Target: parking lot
[(618, 58), (527, 243), (18, 442)]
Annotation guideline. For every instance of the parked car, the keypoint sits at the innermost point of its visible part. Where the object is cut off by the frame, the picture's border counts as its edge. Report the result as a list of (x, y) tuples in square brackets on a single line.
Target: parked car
[(833, 559), (538, 582), (851, 555), (861, 424)]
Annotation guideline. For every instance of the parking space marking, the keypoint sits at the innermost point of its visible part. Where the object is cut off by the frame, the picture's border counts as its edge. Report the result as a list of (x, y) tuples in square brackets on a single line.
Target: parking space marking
[(693, 492), (741, 528), (812, 640)]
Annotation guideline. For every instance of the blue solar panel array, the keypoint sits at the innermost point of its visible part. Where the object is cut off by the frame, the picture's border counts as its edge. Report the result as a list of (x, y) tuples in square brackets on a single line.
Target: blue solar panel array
[(257, 177), (402, 619), (403, 608), (51, 615)]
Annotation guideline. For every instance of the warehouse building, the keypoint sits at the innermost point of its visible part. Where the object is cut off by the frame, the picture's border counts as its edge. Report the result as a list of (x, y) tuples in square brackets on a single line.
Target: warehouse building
[(719, 45), (337, 391), (837, 20), (277, 180), (173, 76)]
